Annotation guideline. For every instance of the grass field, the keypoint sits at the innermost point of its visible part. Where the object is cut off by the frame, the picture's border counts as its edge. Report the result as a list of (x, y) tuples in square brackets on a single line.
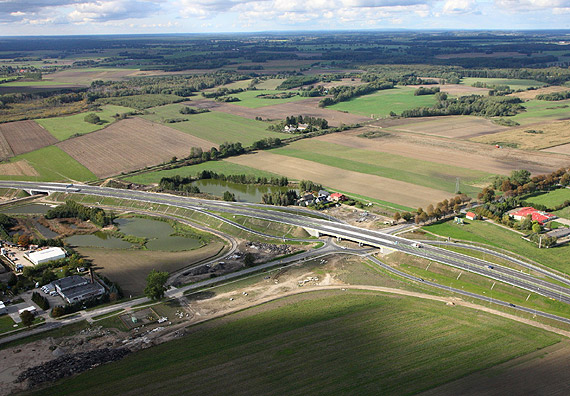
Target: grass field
[(483, 232), (214, 126), (422, 173), (52, 164), (270, 84), (349, 343), (6, 324), (250, 99), (129, 268), (381, 103), (564, 213), (514, 83), (552, 198), (39, 83), (221, 166), (64, 127), (552, 134), (540, 111)]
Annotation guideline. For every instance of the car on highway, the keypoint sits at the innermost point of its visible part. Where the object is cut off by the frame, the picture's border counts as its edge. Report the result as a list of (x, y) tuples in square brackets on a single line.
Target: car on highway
[(490, 267), (512, 305)]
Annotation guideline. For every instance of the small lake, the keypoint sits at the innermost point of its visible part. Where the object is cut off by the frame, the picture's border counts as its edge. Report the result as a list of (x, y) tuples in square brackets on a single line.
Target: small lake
[(26, 209), (158, 233), (243, 192)]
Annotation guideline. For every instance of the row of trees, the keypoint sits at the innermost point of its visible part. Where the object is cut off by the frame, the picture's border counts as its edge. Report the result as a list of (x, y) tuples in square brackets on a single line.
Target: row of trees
[(73, 209), (426, 91), (344, 93), (441, 209), (280, 198), (554, 96), (469, 105)]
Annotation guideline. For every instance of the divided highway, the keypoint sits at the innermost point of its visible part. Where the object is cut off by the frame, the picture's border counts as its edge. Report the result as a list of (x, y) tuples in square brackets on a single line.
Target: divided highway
[(322, 226)]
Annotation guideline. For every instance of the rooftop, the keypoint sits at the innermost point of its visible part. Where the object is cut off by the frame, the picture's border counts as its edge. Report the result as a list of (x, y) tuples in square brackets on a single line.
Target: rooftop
[(70, 281)]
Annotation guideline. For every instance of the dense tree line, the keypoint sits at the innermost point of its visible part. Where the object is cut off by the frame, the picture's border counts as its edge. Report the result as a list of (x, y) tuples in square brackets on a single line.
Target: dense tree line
[(280, 198), (554, 96), (344, 93), (221, 92), (190, 110), (426, 91), (298, 81), (6, 222), (307, 185), (469, 105), (314, 123), (73, 209), (40, 300)]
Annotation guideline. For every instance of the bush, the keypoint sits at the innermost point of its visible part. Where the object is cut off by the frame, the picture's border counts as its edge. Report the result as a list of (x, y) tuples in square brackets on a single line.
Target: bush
[(40, 300), (92, 118)]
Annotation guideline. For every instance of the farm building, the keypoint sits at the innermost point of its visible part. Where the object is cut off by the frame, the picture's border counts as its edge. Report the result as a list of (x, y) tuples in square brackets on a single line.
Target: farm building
[(471, 216), (536, 215), (337, 197), (76, 288), (46, 255)]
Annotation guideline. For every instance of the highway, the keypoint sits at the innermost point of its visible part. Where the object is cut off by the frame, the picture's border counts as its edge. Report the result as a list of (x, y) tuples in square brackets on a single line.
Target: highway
[(323, 226)]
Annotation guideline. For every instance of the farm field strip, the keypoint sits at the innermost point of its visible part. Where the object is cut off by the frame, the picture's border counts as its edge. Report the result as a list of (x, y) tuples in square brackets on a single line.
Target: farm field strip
[(550, 134), (381, 103), (514, 83), (221, 166), (373, 186), (63, 128), (423, 173), (129, 145), (51, 164), (306, 107), (451, 126), (453, 153), (538, 111), (528, 95), (250, 98), (25, 136), (552, 198), (400, 344), (214, 126)]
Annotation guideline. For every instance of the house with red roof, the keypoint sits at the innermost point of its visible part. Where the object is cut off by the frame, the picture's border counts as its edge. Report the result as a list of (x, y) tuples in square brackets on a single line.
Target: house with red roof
[(337, 197), (536, 215), (471, 216)]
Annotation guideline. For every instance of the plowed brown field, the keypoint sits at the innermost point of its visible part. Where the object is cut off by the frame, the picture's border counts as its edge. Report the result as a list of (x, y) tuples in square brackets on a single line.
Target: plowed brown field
[(528, 95), (25, 136), (129, 145), (308, 107), (358, 183), (451, 126)]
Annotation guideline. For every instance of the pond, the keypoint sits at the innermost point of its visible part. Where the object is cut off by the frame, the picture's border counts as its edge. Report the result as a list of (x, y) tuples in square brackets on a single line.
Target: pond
[(158, 233), (25, 209), (243, 192)]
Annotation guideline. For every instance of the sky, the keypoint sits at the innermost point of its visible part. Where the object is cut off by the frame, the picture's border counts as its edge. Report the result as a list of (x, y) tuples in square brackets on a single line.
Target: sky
[(72, 17)]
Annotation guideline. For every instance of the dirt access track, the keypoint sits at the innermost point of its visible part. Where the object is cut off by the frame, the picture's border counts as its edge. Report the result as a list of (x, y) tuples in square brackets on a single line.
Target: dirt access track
[(130, 144), (336, 178), (308, 107), (450, 152), (23, 136)]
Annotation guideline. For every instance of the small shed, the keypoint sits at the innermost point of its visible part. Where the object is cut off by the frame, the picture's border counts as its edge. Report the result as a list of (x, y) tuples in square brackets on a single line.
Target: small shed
[(471, 216)]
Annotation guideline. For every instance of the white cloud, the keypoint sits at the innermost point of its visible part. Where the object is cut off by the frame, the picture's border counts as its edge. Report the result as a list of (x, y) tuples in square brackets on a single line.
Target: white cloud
[(459, 7)]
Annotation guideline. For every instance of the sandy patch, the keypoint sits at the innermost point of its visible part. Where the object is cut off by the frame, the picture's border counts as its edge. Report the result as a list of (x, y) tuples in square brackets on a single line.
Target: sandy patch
[(359, 183), (18, 168), (554, 133), (528, 95)]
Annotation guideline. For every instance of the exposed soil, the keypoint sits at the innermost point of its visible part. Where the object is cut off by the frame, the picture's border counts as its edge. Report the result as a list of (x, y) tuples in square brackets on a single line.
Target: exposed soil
[(129, 145), (18, 168), (528, 95), (25, 136)]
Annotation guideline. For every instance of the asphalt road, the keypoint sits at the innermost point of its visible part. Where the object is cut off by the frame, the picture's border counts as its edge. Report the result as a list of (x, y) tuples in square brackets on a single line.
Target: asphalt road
[(332, 227)]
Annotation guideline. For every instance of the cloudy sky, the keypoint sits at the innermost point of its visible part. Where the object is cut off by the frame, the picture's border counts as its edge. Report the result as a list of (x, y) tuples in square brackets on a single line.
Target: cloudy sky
[(44, 17)]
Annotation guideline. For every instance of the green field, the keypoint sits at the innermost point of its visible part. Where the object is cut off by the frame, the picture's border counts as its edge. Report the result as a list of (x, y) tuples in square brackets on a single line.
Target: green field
[(215, 126), (65, 127), (53, 164), (221, 166), (381, 103), (6, 324), (564, 213), (319, 343), (392, 166), (483, 232), (250, 99), (540, 110), (514, 83), (552, 198), (271, 83)]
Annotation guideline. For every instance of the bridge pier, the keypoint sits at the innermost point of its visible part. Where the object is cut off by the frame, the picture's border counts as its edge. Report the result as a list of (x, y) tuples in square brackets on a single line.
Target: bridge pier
[(312, 232)]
